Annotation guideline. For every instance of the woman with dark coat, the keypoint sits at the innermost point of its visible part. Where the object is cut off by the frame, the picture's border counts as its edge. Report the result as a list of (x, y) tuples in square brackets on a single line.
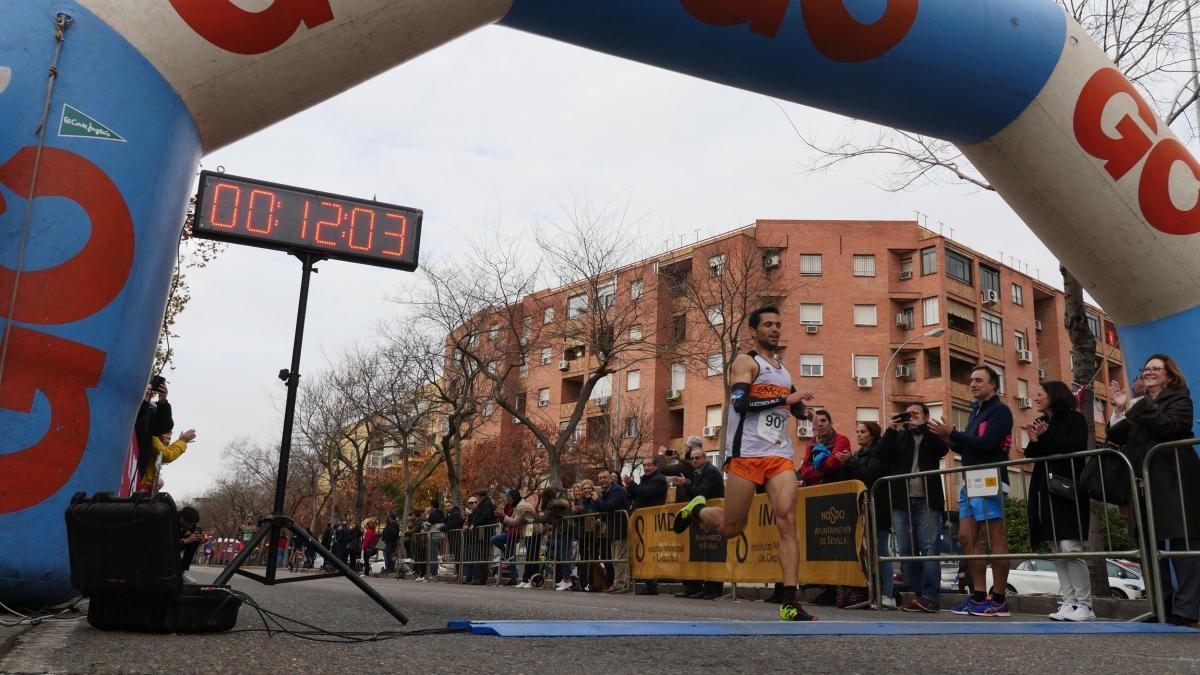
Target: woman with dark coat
[(1165, 414), (1060, 523), (867, 466)]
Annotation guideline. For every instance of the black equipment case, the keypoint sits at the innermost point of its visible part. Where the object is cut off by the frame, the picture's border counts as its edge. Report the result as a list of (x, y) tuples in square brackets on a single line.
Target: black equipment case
[(125, 557)]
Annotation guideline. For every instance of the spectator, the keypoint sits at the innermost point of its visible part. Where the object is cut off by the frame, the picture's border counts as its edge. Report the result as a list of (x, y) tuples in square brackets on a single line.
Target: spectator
[(327, 541), (610, 498), (651, 491), (986, 440), (390, 537), (558, 538), (368, 547), (169, 451), (343, 542), (189, 525), (821, 459), (1059, 522), (152, 420), (482, 517), (866, 466), (670, 464), (708, 482), (454, 531), (584, 529), (1165, 414), (354, 545), (435, 524), (916, 506), (506, 540), (522, 514)]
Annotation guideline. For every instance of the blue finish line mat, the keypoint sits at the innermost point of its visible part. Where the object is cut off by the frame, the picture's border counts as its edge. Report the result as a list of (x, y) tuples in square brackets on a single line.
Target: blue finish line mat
[(769, 628)]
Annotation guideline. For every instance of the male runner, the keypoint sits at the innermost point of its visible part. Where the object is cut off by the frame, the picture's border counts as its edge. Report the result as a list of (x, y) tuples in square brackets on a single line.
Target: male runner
[(760, 453)]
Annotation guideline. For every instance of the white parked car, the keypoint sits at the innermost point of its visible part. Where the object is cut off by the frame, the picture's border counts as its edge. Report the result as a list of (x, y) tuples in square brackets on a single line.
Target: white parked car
[(1040, 576)]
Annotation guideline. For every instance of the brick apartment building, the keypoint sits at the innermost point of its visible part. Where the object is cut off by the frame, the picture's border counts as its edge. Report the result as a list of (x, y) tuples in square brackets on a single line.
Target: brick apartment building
[(863, 288)]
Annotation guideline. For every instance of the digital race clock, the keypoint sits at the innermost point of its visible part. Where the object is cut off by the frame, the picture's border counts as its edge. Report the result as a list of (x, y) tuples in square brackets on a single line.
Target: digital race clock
[(267, 215)]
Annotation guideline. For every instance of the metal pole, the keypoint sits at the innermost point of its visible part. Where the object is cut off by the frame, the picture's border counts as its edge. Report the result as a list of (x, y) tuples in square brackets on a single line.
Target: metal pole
[(292, 378), (883, 412)]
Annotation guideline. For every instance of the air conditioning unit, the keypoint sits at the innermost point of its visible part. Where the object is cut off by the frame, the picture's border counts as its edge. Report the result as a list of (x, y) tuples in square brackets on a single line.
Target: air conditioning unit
[(804, 429), (1041, 374), (771, 261), (1024, 403), (904, 373), (1024, 356), (905, 276), (602, 401), (674, 395), (864, 382), (1037, 325), (564, 365), (710, 432), (990, 297), (811, 330), (900, 320)]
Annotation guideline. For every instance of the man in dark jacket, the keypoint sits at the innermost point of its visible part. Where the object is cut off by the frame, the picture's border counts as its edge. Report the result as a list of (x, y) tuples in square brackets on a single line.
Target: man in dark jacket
[(986, 440), (479, 538), (390, 536), (454, 526), (916, 506), (708, 482), (650, 491), (343, 543), (609, 497)]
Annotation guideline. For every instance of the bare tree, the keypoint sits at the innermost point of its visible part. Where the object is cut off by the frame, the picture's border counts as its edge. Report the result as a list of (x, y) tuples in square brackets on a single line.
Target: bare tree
[(1148, 40), (616, 438), (738, 275)]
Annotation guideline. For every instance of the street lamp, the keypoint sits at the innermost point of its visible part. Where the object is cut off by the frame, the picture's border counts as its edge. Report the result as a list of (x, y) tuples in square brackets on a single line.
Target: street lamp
[(936, 332)]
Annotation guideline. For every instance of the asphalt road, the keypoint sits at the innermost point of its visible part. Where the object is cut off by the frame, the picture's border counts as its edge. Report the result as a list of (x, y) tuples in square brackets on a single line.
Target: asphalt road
[(335, 604)]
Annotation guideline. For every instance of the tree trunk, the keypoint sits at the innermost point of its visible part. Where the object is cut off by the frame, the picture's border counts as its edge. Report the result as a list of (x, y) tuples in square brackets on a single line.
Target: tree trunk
[(1083, 343)]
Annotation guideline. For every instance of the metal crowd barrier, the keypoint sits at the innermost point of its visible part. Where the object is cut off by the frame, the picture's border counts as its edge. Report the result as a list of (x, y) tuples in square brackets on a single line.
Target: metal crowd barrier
[(951, 502), (1157, 556)]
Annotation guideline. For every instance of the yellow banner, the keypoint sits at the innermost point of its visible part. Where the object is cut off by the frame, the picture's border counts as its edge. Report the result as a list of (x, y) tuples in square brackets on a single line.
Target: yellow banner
[(830, 524)]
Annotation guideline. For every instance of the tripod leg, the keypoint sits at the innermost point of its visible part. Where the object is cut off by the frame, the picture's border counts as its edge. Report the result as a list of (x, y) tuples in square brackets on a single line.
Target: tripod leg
[(242, 556), (349, 573)]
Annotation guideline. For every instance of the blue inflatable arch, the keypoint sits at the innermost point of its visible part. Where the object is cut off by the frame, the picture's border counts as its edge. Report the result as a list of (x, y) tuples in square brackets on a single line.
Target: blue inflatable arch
[(145, 88)]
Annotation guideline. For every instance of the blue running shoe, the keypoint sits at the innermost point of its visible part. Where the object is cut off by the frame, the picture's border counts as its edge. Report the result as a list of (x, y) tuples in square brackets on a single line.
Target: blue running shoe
[(990, 608), (966, 607)]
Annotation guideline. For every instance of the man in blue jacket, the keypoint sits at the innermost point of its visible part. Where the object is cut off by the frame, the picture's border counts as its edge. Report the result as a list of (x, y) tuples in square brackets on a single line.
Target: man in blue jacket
[(609, 497), (986, 440)]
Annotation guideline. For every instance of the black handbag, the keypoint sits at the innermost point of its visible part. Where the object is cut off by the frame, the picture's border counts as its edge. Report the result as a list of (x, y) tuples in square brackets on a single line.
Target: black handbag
[(1106, 479), (1063, 488)]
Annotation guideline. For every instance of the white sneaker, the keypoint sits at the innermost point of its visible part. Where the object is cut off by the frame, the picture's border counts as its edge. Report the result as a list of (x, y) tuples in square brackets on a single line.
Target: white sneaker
[(1081, 613), (889, 603), (524, 584), (1064, 609), (562, 586), (188, 579), (419, 579)]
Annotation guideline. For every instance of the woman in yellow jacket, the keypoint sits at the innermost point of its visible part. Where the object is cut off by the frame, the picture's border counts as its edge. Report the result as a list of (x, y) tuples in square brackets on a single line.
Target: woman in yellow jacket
[(169, 451)]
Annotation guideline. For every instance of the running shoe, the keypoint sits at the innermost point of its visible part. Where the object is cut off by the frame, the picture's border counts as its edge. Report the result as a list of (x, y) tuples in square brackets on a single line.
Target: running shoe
[(1064, 609), (966, 607), (683, 519), (990, 608), (1081, 613), (794, 613)]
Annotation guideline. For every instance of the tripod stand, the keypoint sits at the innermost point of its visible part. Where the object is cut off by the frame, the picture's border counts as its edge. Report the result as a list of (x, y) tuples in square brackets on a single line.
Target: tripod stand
[(272, 525)]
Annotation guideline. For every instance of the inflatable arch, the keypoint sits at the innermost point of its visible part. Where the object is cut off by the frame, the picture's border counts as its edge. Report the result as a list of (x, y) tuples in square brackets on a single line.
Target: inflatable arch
[(145, 88)]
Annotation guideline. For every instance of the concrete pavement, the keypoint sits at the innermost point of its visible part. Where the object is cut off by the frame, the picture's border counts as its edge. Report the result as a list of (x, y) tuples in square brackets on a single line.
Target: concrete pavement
[(335, 604)]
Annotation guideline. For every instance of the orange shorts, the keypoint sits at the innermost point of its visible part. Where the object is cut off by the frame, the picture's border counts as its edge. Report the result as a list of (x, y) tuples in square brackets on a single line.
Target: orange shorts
[(758, 470)]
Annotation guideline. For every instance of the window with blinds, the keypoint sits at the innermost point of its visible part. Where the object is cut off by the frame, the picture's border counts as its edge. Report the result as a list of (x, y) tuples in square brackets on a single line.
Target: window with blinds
[(865, 315), (930, 312), (864, 265), (810, 315), (810, 264)]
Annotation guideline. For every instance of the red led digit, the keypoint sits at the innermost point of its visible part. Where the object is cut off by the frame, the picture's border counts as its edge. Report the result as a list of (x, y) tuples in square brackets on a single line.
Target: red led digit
[(399, 252), (370, 228), (270, 212), (237, 197), (336, 222), (304, 223)]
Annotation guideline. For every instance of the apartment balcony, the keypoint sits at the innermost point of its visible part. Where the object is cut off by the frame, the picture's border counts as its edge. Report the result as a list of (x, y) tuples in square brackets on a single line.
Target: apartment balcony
[(567, 409), (677, 403), (1101, 389), (962, 290), (992, 351), (960, 390), (962, 340), (574, 366)]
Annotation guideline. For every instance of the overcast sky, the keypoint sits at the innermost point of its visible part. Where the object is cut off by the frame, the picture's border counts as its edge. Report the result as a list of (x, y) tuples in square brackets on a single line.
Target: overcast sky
[(501, 125)]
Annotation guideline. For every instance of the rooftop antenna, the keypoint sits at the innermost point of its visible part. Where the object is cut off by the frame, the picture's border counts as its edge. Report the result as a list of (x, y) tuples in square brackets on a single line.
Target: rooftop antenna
[(940, 226), (919, 214), (697, 234)]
